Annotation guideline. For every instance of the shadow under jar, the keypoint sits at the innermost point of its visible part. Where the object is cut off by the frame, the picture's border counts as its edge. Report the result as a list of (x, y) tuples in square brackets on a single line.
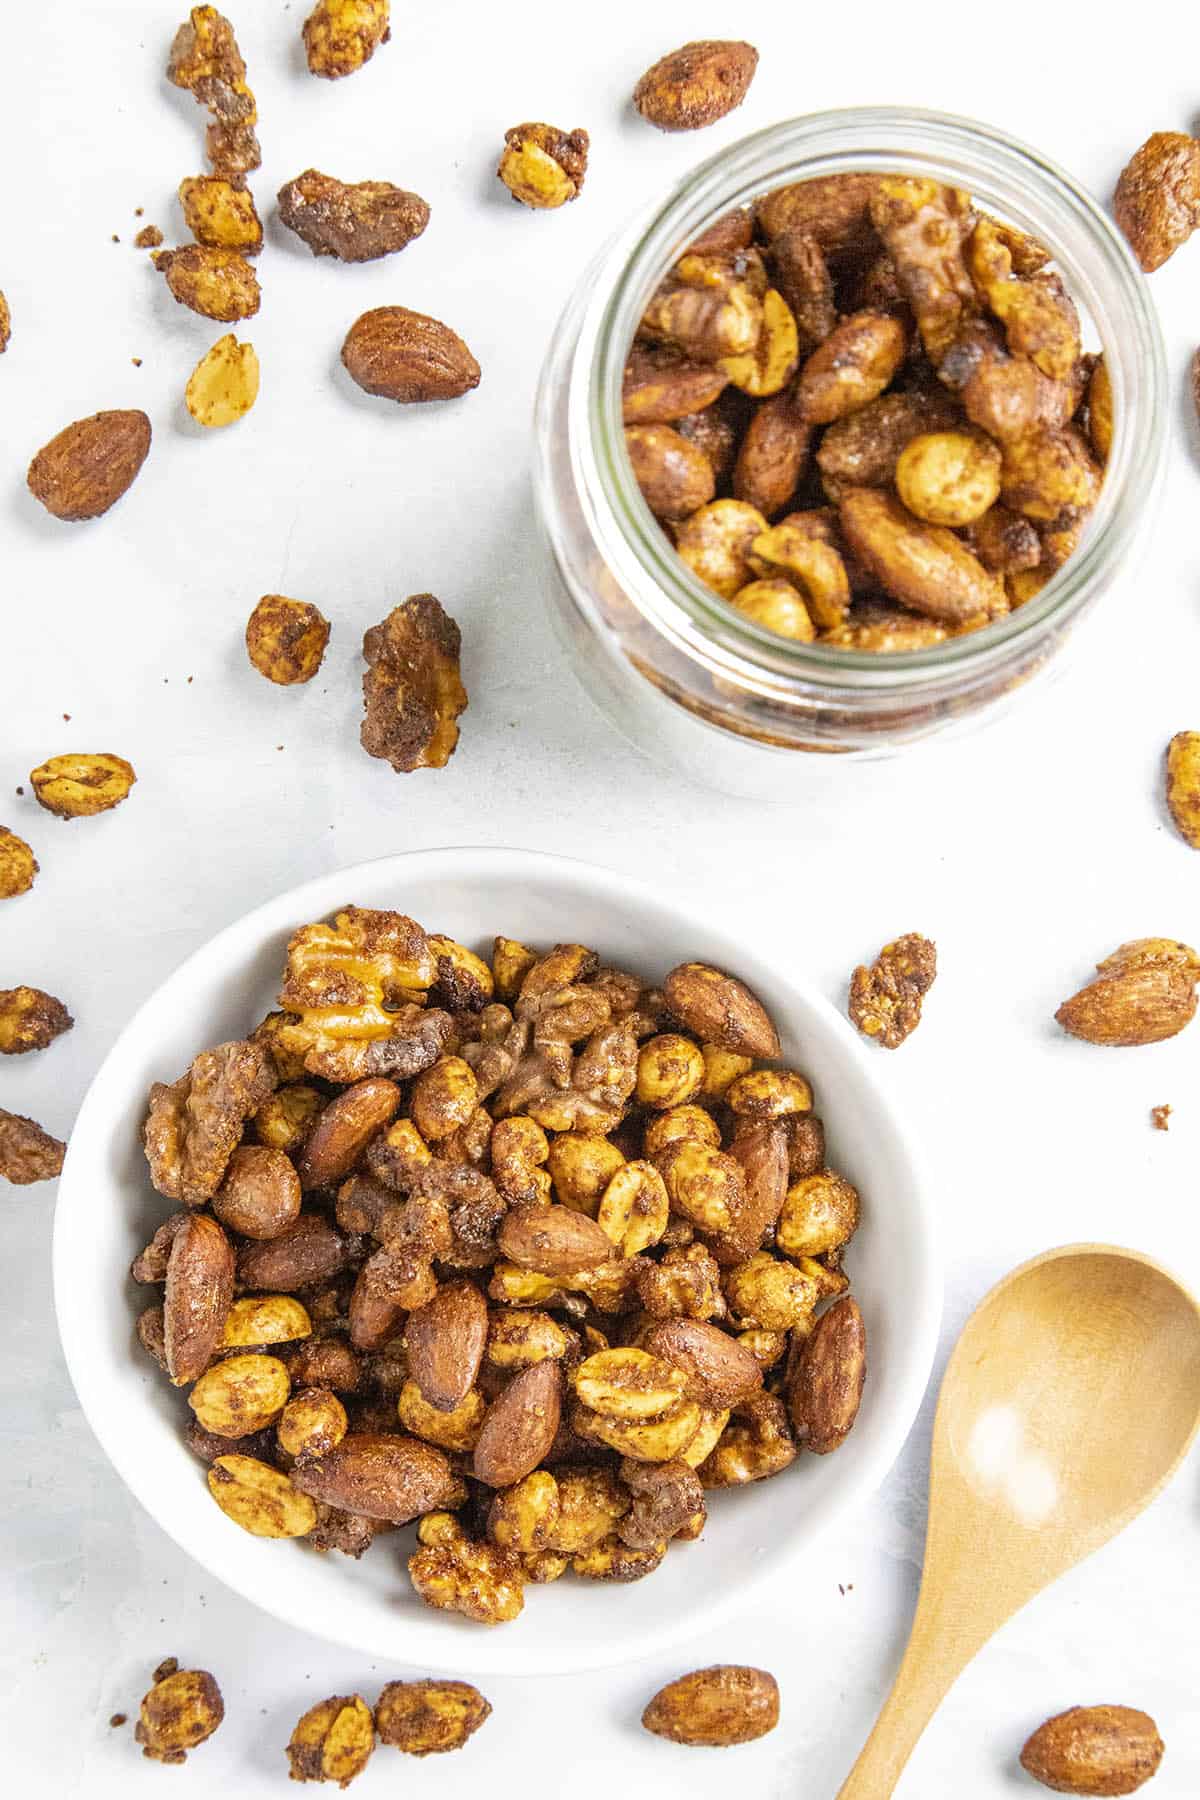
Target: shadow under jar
[(685, 675)]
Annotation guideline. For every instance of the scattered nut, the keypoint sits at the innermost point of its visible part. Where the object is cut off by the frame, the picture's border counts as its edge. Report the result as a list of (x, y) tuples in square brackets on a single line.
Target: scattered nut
[(341, 35), (223, 386), (1157, 202), (220, 215), (725, 1704), (205, 60), (885, 1000), (27, 1153), (85, 470), (286, 639), (1094, 1750), (148, 238), (182, 1709), (542, 166), (30, 1020), (18, 865), (426, 1718), (218, 284), (408, 357), (77, 786), (1183, 785), (354, 221), (412, 691), (1145, 992), (696, 85), (332, 1741)]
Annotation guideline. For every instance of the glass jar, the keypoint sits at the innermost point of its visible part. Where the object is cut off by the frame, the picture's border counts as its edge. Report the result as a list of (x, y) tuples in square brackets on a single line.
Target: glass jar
[(684, 674)]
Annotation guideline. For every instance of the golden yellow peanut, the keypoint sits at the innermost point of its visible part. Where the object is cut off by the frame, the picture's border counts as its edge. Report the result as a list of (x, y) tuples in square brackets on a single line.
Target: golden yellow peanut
[(542, 166), (514, 1286), (77, 786), (769, 1094), (260, 1499), (635, 1209), (581, 1165), (517, 1340), (721, 1067), (286, 1117), (949, 477), (715, 544), (645, 1440), (223, 386), (519, 1147), (769, 1293), (1183, 785), (819, 1214), (511, 963), (708, 1434), (1100, 410), (443, 1098), (614, 1560), (311, 1423), (524, 1517), (685, 1284), (332, 1741), (628, 1384), (590, 1502), (18, 865), (1048, 471), (777, 606), (265, 1319), (704, 1185), (772, 362), (180, 1711), (286, 639), (457, 1430), (670, 1069), (766, 1347), (240, 1395), (792, 552), (678, 1123), (220, 215), (341, 35)]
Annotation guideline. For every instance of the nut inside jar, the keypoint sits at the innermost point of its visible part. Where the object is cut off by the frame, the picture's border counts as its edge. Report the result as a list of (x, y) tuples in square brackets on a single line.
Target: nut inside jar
[(862, 412)]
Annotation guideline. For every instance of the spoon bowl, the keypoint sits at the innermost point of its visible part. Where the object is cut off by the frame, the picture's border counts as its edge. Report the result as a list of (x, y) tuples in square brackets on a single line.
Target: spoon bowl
[(1070, 1400)]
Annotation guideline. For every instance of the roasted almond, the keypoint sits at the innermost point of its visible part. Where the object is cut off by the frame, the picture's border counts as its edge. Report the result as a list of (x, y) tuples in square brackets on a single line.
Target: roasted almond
[(85, 469), (379, 1476), (197, 1296), (553, 1240), (520, 1426), (720, 1372), (408, 357), (1183, 783), (1145, 992), (446, 1340), (696, 85), (720, 1010), (760, 1148), (1094, 1750), (726, 1704), (344, 1130), (826, 1383), (309, 1251)]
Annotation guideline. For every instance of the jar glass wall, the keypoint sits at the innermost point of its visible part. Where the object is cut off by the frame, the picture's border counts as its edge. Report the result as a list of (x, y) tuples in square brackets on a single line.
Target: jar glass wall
[(680, 671)]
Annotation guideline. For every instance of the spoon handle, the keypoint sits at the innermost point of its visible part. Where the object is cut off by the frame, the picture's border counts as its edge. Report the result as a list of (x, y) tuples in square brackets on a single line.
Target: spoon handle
[(944, 1639)]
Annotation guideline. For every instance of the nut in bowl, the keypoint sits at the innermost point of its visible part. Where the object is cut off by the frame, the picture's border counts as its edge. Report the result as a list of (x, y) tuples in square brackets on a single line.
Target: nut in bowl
[(755, 1531)]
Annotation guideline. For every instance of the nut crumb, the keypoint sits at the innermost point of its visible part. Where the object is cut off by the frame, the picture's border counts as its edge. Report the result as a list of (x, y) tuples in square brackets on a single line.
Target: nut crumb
[(119, 1719), (1160, 1116), (148, 238), (136, 361), (885, 1000)]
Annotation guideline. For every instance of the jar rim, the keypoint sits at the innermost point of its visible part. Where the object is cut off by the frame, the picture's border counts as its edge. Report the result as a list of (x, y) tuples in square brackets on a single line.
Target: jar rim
[(1028, 188)]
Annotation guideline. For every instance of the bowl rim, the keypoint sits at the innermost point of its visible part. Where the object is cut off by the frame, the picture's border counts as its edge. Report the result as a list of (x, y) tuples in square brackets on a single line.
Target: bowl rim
[(485, 1652)]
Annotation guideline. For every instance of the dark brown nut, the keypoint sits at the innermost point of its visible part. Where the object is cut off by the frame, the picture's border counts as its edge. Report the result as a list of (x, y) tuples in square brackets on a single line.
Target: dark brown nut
[(199, 1289), (755, 1444), (674, 476), (457, 1574), (260, 1499), (260, 1195), (286, 1117), (79, 785), (308, 1251), (240, 1394), (336, 1530), (408, 357), (820, 1214), (924, 226), (773, 456), (286, 639), (1094, 1750), (553, 1240), (311, 1423), (379, 1477), (193, 1127), (151, 1263), (389, 1283), (85, 469), (720, 1372), (345, 1128), (726, 1704), (925, 567), (885, 1000), (854, 364), (1183, 798), (332, 1741), (696, 85), (660, 385), (542, 166), (1048, 473), (179, 1712), (341, 35), (27, 1153), (760, 1149), (446, 1339), (883, 630), (805, 1137), (825, 1384), (18, 865), (1004, 542), (206, 61), (520, 1426), (220, 215), (325, 1362), (833, 210), (462, 981), (218, 284), (261, 1318), (30, 1019), (356, 221), (1157, 202), (668, 1501), (802, 277), (412, 691), (1195, 372), (208, 1446), (425, 1718), (1006, 396), (863, 449), (720, 1009), (1145, 992)]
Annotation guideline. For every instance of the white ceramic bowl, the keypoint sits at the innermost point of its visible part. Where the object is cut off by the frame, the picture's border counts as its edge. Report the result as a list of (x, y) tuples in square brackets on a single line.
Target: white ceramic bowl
[(107, 1210)]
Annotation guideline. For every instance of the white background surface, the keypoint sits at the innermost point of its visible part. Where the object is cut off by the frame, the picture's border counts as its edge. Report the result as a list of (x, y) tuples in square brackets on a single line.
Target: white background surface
[(1027, 852)]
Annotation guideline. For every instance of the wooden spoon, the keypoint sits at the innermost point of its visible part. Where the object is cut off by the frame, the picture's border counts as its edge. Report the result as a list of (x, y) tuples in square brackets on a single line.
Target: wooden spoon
[(1069, 1402)]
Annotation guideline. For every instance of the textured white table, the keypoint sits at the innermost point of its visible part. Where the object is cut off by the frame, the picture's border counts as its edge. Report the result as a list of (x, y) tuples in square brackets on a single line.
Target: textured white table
[(1026, 852)]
